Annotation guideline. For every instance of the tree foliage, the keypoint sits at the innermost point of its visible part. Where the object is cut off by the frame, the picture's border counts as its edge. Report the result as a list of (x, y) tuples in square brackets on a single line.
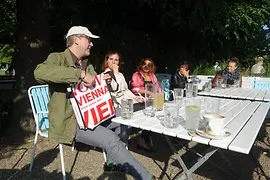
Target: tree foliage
[(221, 28)]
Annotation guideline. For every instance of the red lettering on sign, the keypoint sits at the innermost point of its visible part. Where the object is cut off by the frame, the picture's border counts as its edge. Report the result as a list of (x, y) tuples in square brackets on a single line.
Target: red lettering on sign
[(94, 94), (97, 79), (88, 97), (86, 118), (102, 111), (105, 89), (81, 88), (100, 91), (111, 106), (94, 116)]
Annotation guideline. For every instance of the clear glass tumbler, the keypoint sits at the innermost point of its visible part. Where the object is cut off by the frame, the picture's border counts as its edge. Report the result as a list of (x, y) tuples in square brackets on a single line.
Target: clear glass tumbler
[(150, 91), (192, 112), (126, 108), (171, 117)]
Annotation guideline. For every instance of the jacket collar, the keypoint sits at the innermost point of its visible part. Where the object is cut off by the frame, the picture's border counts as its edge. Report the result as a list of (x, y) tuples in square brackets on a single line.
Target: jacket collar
[(72, 59), (69, 58)]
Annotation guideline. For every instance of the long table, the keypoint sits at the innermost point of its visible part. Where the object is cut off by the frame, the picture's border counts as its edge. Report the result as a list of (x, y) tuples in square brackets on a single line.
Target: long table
[(244, 119), (239, 93)]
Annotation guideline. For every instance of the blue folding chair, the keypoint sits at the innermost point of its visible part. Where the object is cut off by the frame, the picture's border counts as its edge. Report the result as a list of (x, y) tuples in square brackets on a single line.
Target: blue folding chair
[(165, 85), (39, 98)]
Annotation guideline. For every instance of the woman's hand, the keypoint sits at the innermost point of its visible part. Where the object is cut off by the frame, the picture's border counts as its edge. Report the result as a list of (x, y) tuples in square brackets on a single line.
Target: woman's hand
[(186, 73), (139, 99), (114, 68)]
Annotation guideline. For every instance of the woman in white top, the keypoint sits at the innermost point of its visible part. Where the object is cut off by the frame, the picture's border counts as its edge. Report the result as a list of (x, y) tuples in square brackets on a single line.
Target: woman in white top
[(112, 63)]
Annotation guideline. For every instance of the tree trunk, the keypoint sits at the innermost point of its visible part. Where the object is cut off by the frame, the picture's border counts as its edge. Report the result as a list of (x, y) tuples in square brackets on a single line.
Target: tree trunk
[(32, 47)]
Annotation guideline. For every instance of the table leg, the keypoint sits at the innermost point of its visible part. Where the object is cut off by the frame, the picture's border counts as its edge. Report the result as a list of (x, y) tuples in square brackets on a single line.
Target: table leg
[(187, 173)]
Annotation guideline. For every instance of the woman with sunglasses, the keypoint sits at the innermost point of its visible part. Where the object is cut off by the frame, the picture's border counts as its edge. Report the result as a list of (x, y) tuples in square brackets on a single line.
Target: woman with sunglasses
[(180, 78), (144, 75)]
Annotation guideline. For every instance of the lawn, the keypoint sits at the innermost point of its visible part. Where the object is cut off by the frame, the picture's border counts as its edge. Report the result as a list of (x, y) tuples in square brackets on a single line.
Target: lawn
[(2, 72)]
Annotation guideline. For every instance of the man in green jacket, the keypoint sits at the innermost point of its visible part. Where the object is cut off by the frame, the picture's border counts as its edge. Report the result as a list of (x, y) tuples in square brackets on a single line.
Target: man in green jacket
[(60, 70)]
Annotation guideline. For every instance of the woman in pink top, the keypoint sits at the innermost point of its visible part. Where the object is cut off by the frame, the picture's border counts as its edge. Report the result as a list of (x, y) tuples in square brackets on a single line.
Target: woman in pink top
[(144, 75)]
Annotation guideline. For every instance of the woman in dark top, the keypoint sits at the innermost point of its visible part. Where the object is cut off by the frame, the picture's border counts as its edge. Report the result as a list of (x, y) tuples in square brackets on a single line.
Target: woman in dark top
[(180, 78)]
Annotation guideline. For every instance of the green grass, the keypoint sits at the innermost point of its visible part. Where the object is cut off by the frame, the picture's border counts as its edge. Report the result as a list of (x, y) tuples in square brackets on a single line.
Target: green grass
[(2, 72)]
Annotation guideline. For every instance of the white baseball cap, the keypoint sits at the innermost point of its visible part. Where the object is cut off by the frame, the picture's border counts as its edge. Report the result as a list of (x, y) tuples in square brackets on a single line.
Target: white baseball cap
[(80, 30)]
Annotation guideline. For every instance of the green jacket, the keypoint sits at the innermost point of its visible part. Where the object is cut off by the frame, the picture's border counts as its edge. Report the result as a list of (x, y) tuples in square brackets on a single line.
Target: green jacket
[(59, 71)]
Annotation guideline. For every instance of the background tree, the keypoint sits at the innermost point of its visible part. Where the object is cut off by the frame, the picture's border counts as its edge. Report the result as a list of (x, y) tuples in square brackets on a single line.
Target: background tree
[(32, 47)]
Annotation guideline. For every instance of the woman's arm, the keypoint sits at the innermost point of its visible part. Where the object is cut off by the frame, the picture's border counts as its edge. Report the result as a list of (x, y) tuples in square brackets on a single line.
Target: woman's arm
[(214, 81), (241, 74), (155, 81), (137, 84)]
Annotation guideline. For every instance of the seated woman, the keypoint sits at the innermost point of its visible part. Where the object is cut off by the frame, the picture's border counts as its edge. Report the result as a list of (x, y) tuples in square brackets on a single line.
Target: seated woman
[(112, 63), (231, 73), (180, 78), (144, 75)]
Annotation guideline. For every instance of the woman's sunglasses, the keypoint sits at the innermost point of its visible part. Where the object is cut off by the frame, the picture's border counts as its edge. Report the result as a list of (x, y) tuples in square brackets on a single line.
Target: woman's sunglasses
[(147, 64)]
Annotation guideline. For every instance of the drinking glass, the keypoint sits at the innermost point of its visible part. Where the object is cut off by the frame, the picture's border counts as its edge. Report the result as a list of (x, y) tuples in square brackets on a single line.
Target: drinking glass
[(171, 117), (208, 86), (150, 91), (224, 82), (211, 105), (189, 90), (236, 83), (192, 112), (218, 82), (126, 108), (178, 95), (159, 98), (194, 90)]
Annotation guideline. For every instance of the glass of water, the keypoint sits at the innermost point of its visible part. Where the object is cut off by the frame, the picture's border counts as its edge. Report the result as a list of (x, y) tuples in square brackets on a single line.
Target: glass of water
[(150, 91), (178, 95), (171, 117), (211, 105), (189, 90), (126, 108), (192, 112)]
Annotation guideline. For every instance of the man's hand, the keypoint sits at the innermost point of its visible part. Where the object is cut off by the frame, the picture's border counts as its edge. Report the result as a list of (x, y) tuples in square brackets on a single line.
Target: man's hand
[(88, 79)]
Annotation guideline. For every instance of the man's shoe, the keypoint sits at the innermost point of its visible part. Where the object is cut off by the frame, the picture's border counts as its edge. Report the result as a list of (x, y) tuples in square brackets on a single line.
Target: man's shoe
[(112, 168)]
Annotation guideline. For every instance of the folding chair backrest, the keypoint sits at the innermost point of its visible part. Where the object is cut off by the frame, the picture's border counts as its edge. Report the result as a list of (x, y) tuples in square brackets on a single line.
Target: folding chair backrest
[(39, 98), (165, 85), (161, 76), (262, 85)]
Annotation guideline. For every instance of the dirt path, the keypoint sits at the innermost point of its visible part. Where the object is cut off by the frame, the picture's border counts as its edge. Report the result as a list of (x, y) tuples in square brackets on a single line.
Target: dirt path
[(86, 163)]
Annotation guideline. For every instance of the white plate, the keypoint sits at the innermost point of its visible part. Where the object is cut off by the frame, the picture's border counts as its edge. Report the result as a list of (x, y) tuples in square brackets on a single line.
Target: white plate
[(212, 136)]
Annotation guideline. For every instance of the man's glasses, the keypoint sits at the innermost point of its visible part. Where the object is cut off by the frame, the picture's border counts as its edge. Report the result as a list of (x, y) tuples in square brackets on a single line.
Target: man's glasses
[(88, 38)]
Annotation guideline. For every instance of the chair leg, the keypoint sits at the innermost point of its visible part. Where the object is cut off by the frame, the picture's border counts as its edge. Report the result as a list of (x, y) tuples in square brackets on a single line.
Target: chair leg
[(33, 152), (105, 155), (62, 161), (73, 145)]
